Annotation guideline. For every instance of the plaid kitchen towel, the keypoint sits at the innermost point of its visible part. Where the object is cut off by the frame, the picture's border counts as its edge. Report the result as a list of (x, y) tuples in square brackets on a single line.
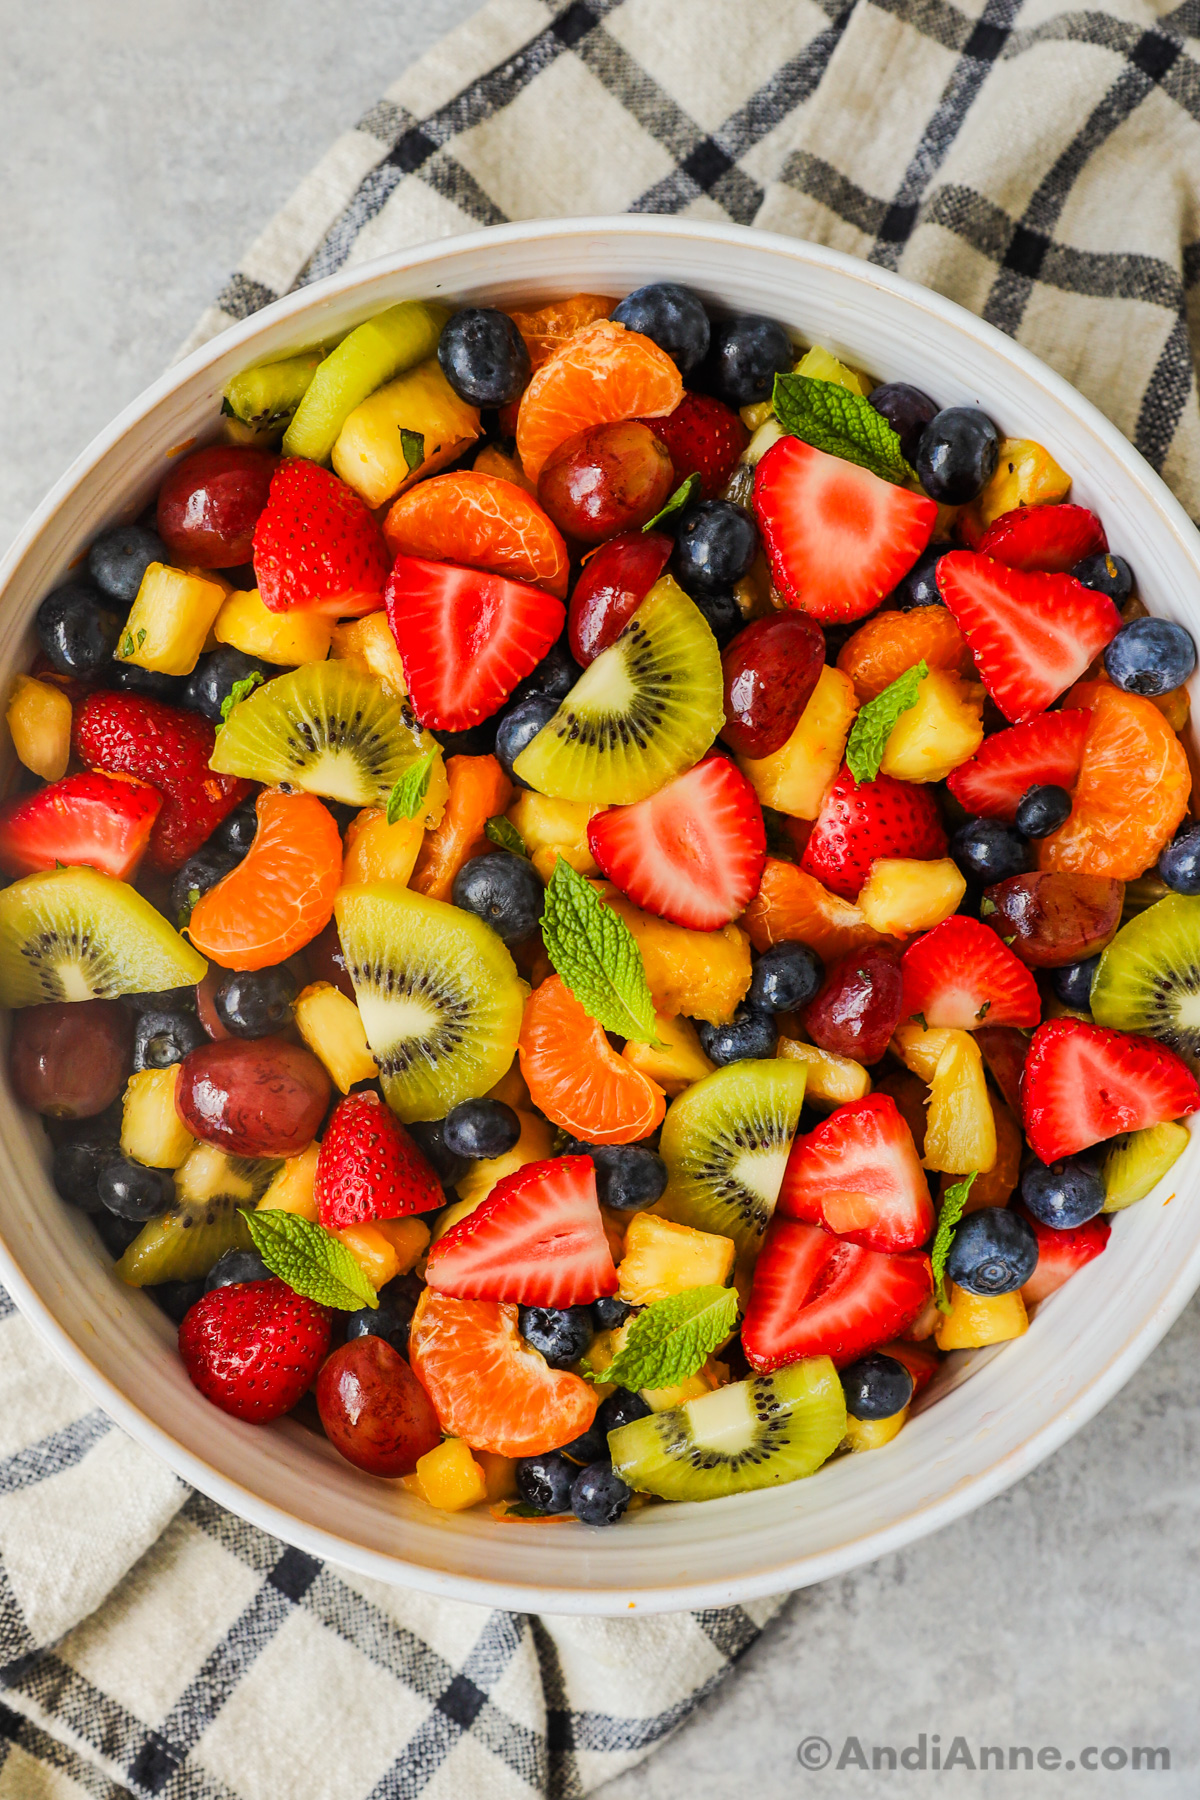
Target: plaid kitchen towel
[(1038, 164)]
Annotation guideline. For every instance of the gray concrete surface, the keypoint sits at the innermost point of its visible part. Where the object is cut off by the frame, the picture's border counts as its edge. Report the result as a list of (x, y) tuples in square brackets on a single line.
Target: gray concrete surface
[(145, 142)]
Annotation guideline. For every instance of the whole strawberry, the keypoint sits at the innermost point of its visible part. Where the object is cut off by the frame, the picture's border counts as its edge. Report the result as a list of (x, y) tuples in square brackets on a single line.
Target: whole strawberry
[(855, 825), (317, 548), (705, 438), (369, 1168), (254, 1348), (127, 734)]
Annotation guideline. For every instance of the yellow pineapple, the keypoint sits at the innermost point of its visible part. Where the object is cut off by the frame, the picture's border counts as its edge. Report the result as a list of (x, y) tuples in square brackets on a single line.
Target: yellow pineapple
[(331, 1025), (152, 1131), (820, 365), (919, 1047), (553, 828), (402, 432), (513, 1089), (793, 780), (709, 1376), (39, 723), (409, 1238), (902, 895), (499, 1474), (705, 973), (372, 1251), (663, 1258), (289, 638), (832, 1080), (449, 1478), (377, 851), (977, 1319), (872, 1434), (1026, 475), (292, 1187), (943, 729), (491, 460), (171, 618), (960, 1128), (677, 1062), (367, 645)]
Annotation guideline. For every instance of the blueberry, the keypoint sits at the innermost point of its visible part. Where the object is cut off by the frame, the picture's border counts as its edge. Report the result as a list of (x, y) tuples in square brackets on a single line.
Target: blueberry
[(609, 1312), (119, 558), (876, 1386), (545, 1481), (78, 1162), (483, 357), (255, 1003), (673, 317), (907, 410), (163, 1038), (1106, 574), (721, 614), (919, 587), (392, 1317), (235, 1266), (1073, 982), (715, 545), (480, 1129), (1063, 1194), (746, 355), (504, 891), (591, 1446), (957, 454), (76, 630), (561, 1333), (750, 1033), (211, 681), (598, 1495), (628, 1176), (476, 740), (1179, 864), (115, 1233), (200, 872), (176, 1298), (518, 727), (554, 676), (428, 1137), (987, 850), (1150, 656), (342, 814), (1042, 810), (994, 1252), (133, 1191), (622, 1408), (785, 978), (151, 683), (237, 830)]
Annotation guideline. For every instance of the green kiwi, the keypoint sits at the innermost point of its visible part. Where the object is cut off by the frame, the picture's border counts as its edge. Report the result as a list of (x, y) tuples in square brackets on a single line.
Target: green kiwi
[(325, 727), (270, 394), (1148, 979), (75, 934), (439, 995), (1136, 1162), (183, 1243), (643, 712), (725, 1142), (371, 354), (750, 1434)]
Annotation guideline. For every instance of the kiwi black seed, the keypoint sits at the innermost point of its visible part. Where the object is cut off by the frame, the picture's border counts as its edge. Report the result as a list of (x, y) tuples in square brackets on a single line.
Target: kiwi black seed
[(1148, 979), (205, 1221), (75, 934)]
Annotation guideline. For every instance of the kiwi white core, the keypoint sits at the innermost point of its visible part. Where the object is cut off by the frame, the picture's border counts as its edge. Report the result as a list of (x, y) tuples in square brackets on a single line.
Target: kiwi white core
[(724, 1420)]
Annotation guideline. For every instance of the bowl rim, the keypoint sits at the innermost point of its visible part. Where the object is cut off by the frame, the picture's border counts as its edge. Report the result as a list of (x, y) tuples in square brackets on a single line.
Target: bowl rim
[(814, 1566)]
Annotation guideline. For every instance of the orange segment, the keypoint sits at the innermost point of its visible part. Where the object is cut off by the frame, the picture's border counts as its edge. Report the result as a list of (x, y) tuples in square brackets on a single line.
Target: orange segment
[(485, 1383), (479, 789), (1132, 791), (281, 893), (547, 328), (891, 642), (792, 907), (483, 522), (598, 376), (576, 1077)]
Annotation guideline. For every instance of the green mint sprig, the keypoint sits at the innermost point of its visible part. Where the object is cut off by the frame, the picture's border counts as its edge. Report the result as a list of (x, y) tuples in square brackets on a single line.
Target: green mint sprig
[(953, 1202), (596, 954), (504, 833), (873, 726), (832, 419), (673, 1338), (239, 692), (408, 796), (412, 443), (679, 499), (310, 1259)]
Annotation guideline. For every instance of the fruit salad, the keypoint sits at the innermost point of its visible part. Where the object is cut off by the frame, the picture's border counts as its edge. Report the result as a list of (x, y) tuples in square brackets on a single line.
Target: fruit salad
[(592, 891)]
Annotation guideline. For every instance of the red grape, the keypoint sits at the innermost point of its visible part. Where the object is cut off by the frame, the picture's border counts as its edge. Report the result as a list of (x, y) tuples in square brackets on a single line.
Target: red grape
[(858, 1006), (771, 668), (253, 1096), (1053, 919), (327, 960), (209, 503), (374, 1410), (612, 586), (1004, 1051), (607, 479), (71, 1059)]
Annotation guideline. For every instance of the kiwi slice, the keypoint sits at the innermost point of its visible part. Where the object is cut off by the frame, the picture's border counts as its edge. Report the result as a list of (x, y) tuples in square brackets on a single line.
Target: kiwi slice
[(1148, 979), (439, 995), (269, 395), (751, 1434), (725, 1142), (74, 934), (183, 1243), (371, 354), (1137, 1161), (325, 727), (645, 710)]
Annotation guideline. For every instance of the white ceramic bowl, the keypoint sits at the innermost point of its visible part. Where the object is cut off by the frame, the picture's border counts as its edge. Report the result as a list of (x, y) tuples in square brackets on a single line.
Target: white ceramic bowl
[(1021, 1402)]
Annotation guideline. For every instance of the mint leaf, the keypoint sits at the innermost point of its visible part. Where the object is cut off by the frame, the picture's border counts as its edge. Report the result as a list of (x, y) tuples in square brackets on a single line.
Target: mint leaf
[(238, 693), (873, 726), (832, 419), (679, 499), (413, 445), (502, 831), (408, 795), (310, 1259), (596, 954), (953, 1202), (672, 1338)]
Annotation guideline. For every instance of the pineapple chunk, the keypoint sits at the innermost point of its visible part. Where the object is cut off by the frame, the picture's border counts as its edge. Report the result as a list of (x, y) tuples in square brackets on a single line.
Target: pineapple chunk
[(663, 1258), (331, 1025), (535, 1144), (677, 1062), (960, 1129), (820, 365), (994, 1186), (709, 1376), (491, 460), (417, 416), (377, 851), (513, 1089), (978, 1319), (902, 895), (170, 619), (289, 638), (499, 1474), (919, 1047), (367, 645), (832, 1080), (705, 973), (943, 729), (372, 1251), (39, 723), (793, 780), (872, 1434), (1026, 475), (553, 828), (292, 1187), (449, 1477), (152, 1132), (409, 1238)]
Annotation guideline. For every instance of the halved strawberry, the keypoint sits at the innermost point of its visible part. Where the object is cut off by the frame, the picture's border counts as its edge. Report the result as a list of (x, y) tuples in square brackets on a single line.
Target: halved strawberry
[(961, 975), (1062, 1253), (693, 853), (1031, 635), (1083, 1083), (465, 637), (876, 818), (317, 547), (858, 1174), (705, 437), (538, 1239), (814, 1294), (369, 1168), (1051, 538), (921, 1360), (102, 820), (837, 537), (1044, 751)]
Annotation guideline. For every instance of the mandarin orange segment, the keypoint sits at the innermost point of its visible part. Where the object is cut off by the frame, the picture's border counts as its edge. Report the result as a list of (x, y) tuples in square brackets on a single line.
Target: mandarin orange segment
[(891, 642), (482, 522), (576, 1077), (1132, 791), (479, 789), (793, 907), (599, 376), (548, 327), (281, 893), (485, 1383)]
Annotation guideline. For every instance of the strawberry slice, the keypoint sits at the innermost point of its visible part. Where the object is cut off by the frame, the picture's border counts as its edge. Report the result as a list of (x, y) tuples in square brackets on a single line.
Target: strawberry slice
[(961, 975), (858, 1175), (1031, 635), (1044, 751), (1083, 1083), (705, 438), (465, 637), (921, 1360), (1062, 1253), (369, 1168), (814, 1294), (1051, 538), (538, 1239), (856, 824), (317, 547), (693, 853), (837, 537), (103, 820)]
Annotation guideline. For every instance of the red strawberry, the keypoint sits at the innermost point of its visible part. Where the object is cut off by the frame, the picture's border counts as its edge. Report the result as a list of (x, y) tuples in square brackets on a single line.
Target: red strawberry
[(837, 537), (693, 853), (961, 975), (814, 1294), (465, 637), (127, 734), (921, 1360), (254, 1348), (1007, 764), (705, 438), (1084, 1083), (1062, 1253), (857, 824), (104, 820), (1004, 1051), (1052, 538), (369, 1168), (538, 1239), (317, 547), (1032, 636), (858, 1174)]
